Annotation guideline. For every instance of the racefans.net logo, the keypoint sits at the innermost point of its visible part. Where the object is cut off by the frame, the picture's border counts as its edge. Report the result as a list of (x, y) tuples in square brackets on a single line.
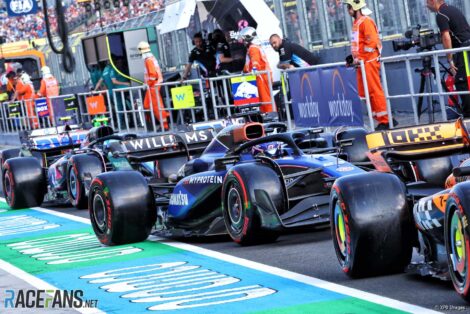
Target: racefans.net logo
[(45, 299)]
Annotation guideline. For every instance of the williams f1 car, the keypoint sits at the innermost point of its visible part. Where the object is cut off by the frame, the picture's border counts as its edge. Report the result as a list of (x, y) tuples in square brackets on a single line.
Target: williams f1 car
[(246, 183), (58, 165), (418, 198)]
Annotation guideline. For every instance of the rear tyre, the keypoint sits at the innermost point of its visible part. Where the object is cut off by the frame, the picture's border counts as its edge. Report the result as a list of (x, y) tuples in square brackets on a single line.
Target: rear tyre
[(370, 224), (8, 154), (81, 170), (24, 182), (457, 238), (241, 216), (122, 207)]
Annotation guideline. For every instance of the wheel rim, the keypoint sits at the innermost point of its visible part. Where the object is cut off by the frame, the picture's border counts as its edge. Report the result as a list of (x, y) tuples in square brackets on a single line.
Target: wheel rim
[(235, 208), (340, 230), (8, 186), (458, 250), (99, 212), (73, 184)]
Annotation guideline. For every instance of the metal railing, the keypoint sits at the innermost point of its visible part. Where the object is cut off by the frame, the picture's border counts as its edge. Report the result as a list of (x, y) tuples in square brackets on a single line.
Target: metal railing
[(85, 116), (434, 82)]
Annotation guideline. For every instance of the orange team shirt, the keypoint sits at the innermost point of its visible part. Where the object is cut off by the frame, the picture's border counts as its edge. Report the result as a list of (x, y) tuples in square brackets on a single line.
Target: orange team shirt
[(365, 43), (257, 59), (153, 73), (49, 87), (24, 91)]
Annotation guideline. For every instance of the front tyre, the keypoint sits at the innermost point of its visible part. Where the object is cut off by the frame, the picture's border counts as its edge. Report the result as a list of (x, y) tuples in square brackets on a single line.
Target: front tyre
[(457, 238), (122, 207), (370, 224), (241, 215)]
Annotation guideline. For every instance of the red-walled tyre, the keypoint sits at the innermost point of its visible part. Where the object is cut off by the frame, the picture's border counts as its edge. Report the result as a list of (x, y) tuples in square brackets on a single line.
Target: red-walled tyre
[(122, 207)]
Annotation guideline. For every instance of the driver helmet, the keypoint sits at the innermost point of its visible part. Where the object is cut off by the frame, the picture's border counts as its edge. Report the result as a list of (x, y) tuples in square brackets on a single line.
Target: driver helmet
[(248, 34), (272, 150)]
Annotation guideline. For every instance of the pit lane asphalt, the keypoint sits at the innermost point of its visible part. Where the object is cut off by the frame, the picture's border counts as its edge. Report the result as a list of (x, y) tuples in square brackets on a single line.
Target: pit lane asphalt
[(310, 252)]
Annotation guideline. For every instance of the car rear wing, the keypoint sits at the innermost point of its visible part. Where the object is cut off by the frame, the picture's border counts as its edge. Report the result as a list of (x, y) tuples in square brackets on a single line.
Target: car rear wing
[(53, 139), (418, 142), (167, 145)]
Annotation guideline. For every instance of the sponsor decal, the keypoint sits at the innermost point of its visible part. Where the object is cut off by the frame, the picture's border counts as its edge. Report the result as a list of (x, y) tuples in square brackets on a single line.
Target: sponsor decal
[(47, 299), (179, 199), (245, 90), (205, 180), (69, 249), (15, 225), (416, 135), (345, 169), (21, 7), (175, 286), (41, 108), (165, 141), (335, 87), (58, 140)]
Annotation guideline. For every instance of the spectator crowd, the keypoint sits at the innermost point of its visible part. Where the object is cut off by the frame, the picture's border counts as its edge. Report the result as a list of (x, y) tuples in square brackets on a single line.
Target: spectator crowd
[(32, 26)]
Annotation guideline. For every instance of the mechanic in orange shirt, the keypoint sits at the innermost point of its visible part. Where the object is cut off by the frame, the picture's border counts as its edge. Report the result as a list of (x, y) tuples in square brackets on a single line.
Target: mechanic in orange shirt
[(256, 59), (153, 76), (366, 46), (25, 92)]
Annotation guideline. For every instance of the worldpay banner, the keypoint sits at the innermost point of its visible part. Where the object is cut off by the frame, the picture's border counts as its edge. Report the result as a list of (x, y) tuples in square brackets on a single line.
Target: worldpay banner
[(325, 97)]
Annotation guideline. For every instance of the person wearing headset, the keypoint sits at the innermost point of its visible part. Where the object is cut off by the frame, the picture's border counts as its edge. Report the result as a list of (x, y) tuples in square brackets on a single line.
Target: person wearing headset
[(203, 55), (366, 46)]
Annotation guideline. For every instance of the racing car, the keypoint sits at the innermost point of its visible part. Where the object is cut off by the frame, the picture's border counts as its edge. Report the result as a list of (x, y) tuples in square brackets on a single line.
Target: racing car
[(246, 183), (58, 165), (418, 198), (24, 185)]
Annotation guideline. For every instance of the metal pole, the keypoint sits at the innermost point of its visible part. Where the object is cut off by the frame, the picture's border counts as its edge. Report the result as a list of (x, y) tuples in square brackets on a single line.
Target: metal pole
[(439, 87), (412, 90), (366, 91), (385, 87)]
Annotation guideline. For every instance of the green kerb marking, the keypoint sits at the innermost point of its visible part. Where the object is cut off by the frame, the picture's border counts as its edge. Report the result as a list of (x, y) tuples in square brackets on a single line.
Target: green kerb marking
[(347, 305)]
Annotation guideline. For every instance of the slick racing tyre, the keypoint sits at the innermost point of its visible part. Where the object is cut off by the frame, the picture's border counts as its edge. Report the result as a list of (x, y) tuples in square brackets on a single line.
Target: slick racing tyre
[(8, 154), (24, 182), (241, 217), (122, 207), (370, 224), (81, 170), (457, 238)]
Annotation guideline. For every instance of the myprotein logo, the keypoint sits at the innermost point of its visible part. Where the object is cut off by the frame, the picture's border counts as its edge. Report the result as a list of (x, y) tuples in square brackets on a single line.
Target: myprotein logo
[(340, 107), (46, 299), (205, 180)]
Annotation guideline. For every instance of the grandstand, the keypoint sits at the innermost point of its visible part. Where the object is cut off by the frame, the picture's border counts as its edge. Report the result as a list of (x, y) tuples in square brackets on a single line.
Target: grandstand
[(30, 27)]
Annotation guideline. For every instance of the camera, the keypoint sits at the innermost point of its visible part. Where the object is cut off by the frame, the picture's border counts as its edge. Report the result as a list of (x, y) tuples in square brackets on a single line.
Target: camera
[(415, 37)]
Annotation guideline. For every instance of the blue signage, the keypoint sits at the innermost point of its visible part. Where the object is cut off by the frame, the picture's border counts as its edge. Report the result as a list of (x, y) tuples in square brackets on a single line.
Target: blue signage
[(325, 97), (21, 7), (41, 107)]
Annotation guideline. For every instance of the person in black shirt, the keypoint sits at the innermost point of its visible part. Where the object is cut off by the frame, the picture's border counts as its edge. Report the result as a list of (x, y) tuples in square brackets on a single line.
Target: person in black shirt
[(203, 55), (290, 54), (455, 33), (223, 56)]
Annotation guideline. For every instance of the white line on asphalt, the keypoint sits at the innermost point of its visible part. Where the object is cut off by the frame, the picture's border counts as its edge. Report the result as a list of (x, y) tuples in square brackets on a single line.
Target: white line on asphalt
[(312, 281)]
